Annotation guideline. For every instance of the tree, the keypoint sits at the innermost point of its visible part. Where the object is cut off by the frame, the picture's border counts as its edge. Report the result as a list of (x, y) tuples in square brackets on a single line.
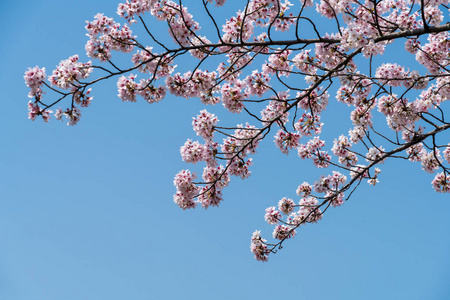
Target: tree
[(298, 66)]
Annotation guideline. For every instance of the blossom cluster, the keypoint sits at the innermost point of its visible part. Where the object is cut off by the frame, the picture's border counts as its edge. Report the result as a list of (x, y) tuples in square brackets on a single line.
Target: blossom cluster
[(34, 79)]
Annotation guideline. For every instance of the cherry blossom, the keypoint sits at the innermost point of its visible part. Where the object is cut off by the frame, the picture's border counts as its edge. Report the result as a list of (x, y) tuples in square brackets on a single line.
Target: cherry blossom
[(286, 141), (258, 247), (34, 78), (286, 205), (282, 232), (272, 215), (69, 72), (441, 183)]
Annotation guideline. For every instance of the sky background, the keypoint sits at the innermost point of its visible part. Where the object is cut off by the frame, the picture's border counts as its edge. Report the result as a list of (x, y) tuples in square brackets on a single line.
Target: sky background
[(86, 212)]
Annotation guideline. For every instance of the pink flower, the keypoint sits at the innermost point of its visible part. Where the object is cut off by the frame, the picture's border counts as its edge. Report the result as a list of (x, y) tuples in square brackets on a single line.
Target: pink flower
[(232, 97), (127, 88), (286, 141), (278, 63), (309, 209), (335, 200), (430, 160), (257, 83), (309, 124), (186, 190), (69, 72), (33, 111), (286, 205), (150, 93), (191, 152), (272, 215), (441, 183), (210, 196), (217, 176), (276, 109), (204, 124), (282, 232), (258, 247), (446, 153), (304, 189), (240, 168), (341, 146), (34, 78)]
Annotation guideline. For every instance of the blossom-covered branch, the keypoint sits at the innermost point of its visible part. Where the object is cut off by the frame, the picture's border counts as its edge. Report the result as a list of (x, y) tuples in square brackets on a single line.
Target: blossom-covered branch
[(276, 67)]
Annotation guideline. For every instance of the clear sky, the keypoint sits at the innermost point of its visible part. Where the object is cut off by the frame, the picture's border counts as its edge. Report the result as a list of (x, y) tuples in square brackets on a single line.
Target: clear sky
[(86, 212)]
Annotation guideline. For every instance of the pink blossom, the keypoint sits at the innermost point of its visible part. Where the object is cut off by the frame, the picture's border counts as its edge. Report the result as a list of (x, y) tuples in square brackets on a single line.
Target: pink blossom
[(200, 52), (362, 117), (34, 78), (257, 83), (349, 159), (33, 111), (372, 49), (341, 146), (186, 189), (433, 54), (391, 74), (217, 176), (121, 38), (178, 84), (309, 209), (282, 232), (276, 109), (314, 100), (446, 153), (430, 160), (304, 189), (69, 72), (415, 152), (204, 124), (237, 29), (132, 8), (232, 97), (73, 115), (245, 140), (146, 60), (150, 93), (286, 206), (258, 247), (360, 171), (375, 154), (210, 196), (286, 141), (184, 182), (322, 159), (278, 63), (81, 98), (127, 88), (335, 200), (184, 201), (412, 45), (191, 152), (441, 183), (272, 215), (239, 167), (309, 124), (209, 153), (305, 63), (99, 26), (372, 181)]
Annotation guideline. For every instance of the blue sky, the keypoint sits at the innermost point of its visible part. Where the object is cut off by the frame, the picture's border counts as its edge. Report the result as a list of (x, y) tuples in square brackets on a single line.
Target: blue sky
[(86, 212)]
